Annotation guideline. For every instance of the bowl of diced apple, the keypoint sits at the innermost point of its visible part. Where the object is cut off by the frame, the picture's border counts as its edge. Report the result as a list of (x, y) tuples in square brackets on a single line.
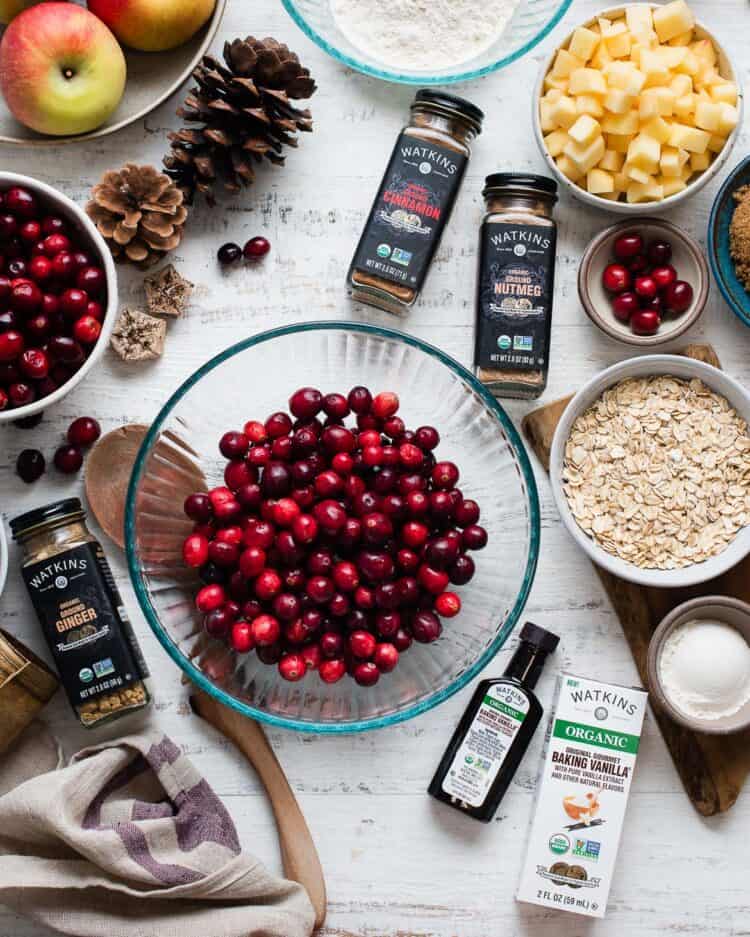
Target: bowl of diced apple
[(638, 108)]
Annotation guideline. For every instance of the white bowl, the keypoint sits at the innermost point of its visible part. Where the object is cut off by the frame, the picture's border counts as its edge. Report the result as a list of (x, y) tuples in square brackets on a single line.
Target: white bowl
[(3, 556), (727, 70), (97, 247), (645, 366)]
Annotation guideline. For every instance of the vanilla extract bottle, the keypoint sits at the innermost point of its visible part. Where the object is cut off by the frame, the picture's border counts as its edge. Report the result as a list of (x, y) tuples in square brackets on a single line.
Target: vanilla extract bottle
[(494, 732)]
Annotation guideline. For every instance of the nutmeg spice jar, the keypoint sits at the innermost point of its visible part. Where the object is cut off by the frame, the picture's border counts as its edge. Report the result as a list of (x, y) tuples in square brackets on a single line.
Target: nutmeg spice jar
[(81, 613), (414, 201), (515, 284)]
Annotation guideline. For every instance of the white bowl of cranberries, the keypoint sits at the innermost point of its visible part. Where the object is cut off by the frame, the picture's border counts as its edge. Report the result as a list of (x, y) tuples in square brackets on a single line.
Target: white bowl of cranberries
[(643, 283), (58, 296)]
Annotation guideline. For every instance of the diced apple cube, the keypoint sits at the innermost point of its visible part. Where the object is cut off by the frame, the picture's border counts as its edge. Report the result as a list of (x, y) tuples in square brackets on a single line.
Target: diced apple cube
[(656, 102), (681, 85), (654, 68), (568, 168), (587, 81), (687, 138), (704, 49), (598, 181), (618, 40), (601, 57), (672, 57), (685, 106), (699, 162), (634, 174), (684, 39), (640, 22), (672, 19), (644, 153), (671, 186), (552, 95), (563, 112), (707, 115), (612, 161), (669, 162), (585, 130), (545, 116), (618, 142), (618, 101), (625, 76), (725, 91), (589, 104), (716, 143), (621, 182), (551, 82), (690, 65), (728, 118), (644, 192), (585, 156), (583, 44), (565, 63), (556, 142), (621, 124)]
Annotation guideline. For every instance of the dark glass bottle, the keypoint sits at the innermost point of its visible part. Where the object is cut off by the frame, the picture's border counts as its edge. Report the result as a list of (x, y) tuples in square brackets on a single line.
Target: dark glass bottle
[(494, 732)]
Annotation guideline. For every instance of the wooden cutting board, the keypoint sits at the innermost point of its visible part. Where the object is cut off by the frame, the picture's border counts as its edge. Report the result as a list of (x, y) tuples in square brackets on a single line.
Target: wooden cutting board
[(713, 768)]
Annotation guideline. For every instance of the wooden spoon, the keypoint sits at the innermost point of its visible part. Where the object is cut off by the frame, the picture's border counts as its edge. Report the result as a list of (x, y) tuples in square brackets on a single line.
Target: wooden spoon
[(298, 853), (108, 472)]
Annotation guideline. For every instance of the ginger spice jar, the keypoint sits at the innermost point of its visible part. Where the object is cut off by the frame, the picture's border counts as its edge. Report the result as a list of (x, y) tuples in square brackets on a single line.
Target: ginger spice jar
[(515, 284), (414, 201), (81, 613)]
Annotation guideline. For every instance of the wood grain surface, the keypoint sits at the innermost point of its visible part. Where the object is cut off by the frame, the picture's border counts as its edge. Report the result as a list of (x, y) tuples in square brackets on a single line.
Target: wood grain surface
[(713, 769), (396, 863)]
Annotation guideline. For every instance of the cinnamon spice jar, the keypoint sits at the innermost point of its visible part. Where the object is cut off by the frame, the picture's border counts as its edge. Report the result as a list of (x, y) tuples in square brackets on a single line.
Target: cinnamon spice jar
[(414, 201)]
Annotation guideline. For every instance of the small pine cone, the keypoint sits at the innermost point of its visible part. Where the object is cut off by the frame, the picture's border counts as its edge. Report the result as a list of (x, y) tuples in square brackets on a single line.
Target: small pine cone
[(140, 212), (245, 115)]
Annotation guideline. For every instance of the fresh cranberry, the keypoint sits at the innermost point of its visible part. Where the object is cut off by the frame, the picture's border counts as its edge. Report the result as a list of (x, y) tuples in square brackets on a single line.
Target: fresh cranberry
[(474, 537), (364, 597), (345, 576), (385, 405), (376, 528), (241, 637), (387, 622), (231, 535), (292, 667), (223, 554), (645, 322), (678, 297), (311, 656), (21, 202), (448, 604), (198, 507), (34, 363), (466, 513), (50, 304), (26, 297), (256, 248), (21, 394), (87, 330), (386, 657), (66, 349), (266, 630), (330, 515), (277, 480), (410, 455), (8, 226), (445, 475), (30, 231), (320, 589), (331, 671), (646, 287), (628, 245), (394, 427), (210, 598), (30, 465), (195, 550), (91, 280), (11, 345), (362, 644), (442, 552), (306, 403), (338, 439), (252, 561), (402, 640), (664, 276), (359, 399), (426, 627), (95, 310), (268, 585), (433, 580), (366, 674), (259, 456), (660, 252), (331, 644), (336, 406), (624, 305), (217, 622), (376, 566), (255, 431), (228, 254), (73, 303), (616, 278), (56, 244), (427, 437), (40, 269), (51, 224), (286, 606)]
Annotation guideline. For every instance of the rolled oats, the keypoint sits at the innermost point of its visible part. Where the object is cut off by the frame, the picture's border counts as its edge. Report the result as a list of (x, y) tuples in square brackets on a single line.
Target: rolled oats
[(657, 472)]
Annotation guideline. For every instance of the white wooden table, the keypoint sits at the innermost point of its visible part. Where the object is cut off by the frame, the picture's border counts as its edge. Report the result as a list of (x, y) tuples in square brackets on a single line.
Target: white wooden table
[(397, 863)]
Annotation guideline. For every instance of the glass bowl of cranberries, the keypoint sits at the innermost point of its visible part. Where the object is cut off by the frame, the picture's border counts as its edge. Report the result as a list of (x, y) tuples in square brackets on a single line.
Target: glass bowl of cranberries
[(58, 296), (643, 283), (332, 527)]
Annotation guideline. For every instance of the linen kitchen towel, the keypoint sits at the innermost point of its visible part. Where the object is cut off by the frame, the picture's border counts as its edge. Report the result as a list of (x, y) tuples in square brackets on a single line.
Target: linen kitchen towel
[(129, 840)]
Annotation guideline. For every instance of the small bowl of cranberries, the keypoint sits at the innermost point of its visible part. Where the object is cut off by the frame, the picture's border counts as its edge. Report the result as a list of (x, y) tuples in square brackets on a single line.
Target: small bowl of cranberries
[(58, 296), (332, 527), (643, 283)]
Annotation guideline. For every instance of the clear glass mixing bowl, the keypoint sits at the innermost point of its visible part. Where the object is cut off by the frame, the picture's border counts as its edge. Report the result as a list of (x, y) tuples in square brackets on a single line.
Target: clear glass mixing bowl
[(255, 378), (530, 23)]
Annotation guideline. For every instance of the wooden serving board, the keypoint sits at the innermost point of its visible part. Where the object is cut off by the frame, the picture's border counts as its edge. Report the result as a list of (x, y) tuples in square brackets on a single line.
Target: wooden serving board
[(713, 768)]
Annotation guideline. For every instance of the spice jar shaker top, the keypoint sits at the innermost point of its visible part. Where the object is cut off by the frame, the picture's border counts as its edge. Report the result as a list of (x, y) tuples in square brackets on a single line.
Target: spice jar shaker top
[(81, 613), (414, 201), (515, 284)]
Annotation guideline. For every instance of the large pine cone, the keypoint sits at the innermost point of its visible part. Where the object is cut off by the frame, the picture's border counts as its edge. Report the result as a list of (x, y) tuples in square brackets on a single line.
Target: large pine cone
[(246, 114), (139, 211)]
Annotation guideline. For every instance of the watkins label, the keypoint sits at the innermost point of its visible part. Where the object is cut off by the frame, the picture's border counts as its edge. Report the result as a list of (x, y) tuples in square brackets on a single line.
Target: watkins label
[(592, 746), (514, 296), (485, 746), (410, 211), (85, 623)]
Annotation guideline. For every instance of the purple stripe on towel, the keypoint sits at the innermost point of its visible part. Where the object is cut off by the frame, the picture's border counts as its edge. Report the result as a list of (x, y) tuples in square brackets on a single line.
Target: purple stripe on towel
[(168, 874), (92, 818), (163, 753), (203, 818), (142, 810)]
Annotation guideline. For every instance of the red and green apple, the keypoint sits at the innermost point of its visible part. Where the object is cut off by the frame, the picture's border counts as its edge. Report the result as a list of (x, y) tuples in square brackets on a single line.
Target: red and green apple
[(153, 25)]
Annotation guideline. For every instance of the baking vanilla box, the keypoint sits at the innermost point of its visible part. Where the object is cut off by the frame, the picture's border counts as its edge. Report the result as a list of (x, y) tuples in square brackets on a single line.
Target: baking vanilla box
[(591, 750)]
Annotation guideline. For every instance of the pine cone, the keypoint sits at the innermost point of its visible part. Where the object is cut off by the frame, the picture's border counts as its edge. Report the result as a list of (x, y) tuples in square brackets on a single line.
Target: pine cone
[(245, 113), (139, 211)]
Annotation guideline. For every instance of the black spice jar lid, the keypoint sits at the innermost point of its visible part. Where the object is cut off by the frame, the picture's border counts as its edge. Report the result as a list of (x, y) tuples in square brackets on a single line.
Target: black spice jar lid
[(545, 640), (452, 102), (528, 182), (68, 508)]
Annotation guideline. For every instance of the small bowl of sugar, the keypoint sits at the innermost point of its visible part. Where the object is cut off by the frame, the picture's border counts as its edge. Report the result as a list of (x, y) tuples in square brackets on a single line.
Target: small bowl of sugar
[(699, 665)]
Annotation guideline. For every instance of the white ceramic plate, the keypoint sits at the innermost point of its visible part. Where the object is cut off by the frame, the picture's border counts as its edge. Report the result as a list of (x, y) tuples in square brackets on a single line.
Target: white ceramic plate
[(727, 70), (152, 78), (678, 366)]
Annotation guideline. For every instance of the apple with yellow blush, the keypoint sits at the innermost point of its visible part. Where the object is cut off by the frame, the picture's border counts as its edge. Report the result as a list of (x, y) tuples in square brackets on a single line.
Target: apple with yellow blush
[(153, 25), (62, 72)]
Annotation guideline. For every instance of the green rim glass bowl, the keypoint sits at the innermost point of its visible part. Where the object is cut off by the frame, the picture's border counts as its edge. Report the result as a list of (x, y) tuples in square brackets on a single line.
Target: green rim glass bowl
[(727, 69), (94, 244), (255, 378), (722, 265), (646, 366), (532, 20)]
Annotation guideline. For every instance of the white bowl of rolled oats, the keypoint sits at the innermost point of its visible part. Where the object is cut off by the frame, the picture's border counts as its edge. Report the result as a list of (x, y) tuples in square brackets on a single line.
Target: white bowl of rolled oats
[(650, 470)]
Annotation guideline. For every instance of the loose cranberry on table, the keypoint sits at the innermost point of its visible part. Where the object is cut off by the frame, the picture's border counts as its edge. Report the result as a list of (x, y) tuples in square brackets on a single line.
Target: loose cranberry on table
[(256, 248), (331, 547), (30, 465)]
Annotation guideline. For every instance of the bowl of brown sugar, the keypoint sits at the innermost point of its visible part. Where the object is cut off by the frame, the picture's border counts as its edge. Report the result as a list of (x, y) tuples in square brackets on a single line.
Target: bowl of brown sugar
[(729, 240)]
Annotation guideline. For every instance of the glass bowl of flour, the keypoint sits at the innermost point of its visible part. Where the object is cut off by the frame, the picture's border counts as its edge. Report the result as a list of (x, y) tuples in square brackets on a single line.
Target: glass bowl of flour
[(424, 42)]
